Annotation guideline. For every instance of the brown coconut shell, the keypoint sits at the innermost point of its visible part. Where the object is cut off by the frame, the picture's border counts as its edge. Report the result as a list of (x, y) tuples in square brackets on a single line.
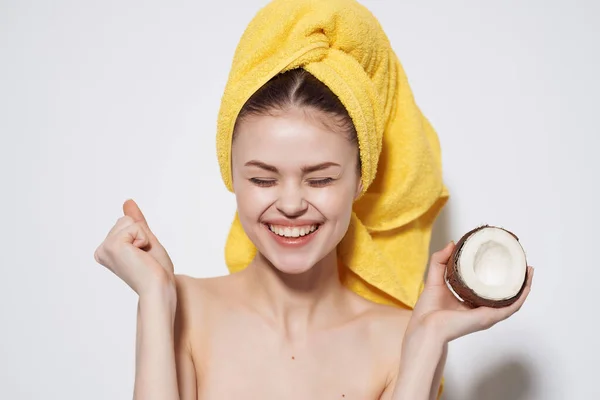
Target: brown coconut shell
[(468, 296)]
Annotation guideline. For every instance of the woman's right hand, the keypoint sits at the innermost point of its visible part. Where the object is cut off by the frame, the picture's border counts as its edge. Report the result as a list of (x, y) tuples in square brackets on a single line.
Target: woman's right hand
[(133, 253)]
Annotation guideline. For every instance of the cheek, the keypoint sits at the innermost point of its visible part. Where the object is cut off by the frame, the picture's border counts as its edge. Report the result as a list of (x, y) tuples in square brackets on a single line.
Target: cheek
[(252, 201), (334, 202)]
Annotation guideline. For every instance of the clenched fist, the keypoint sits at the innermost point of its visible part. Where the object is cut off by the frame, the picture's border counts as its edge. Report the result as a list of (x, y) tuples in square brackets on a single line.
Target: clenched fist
[(134, 254)]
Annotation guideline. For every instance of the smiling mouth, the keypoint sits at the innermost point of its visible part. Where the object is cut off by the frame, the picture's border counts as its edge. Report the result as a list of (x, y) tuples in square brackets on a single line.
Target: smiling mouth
[(292, 231)]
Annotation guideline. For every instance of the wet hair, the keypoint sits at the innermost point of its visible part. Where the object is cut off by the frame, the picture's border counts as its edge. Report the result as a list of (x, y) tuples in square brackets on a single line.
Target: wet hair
[(298, 88)]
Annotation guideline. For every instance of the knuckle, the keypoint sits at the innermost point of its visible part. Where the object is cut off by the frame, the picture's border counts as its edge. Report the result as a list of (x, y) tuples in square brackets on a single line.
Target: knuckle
[(482, 324), (504, 316), (486, 323), (126, 220), (122, 222), (99, 255), (518, 308), (139, 228)]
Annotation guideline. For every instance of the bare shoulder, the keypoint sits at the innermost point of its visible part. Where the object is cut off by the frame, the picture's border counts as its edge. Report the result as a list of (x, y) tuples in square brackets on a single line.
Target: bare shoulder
[(201, 294), (388, 322), (379, 318), (191, 286), (198, 299), (386, 326)]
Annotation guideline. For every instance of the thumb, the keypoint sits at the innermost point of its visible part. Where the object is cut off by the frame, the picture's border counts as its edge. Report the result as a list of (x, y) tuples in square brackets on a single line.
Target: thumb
[(131, 209), (442, 256), (152, 245), (435, 275)]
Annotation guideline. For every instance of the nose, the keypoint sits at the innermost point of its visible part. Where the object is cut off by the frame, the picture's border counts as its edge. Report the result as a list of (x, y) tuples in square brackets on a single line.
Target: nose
[(291, 201)]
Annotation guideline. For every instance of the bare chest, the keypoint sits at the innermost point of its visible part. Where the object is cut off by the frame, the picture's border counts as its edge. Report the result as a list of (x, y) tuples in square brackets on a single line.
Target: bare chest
[(255, 364)]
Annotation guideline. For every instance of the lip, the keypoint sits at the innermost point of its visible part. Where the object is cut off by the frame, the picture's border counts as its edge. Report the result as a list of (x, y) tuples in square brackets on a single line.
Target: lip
[(292, 223), (292, 242)]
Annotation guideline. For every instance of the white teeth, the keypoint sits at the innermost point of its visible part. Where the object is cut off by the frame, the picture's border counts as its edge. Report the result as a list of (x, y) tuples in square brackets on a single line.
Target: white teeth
[(295, 231)]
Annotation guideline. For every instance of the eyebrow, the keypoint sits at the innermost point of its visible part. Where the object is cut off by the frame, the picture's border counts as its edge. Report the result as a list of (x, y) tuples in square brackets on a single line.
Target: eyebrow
[(305, 169)]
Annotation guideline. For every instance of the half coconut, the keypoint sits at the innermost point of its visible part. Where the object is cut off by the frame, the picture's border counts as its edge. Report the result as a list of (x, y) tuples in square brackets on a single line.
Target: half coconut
[(488, 267)]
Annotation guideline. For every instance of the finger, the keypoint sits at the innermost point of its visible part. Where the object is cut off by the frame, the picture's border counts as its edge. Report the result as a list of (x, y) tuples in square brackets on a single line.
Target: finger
[(482, 318), (134, 234), (131, 209), (121, 223), (487, 317), (124, 231), (505, 312), (437, 265), (442, 256)]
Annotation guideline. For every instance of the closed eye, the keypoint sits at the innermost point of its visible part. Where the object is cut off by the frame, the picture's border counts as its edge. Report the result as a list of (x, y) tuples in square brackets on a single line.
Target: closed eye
[(263, 182), (320, 182)]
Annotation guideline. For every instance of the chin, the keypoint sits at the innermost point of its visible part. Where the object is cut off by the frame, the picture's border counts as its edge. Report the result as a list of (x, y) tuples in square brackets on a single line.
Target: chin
[(292, 264)]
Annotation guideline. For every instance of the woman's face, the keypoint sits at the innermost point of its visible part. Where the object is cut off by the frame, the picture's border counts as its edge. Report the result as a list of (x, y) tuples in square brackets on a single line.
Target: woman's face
[(295, 182)]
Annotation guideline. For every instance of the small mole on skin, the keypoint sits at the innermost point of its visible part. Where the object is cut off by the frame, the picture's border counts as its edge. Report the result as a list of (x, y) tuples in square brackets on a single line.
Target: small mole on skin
[(343, 395), (293, 358)]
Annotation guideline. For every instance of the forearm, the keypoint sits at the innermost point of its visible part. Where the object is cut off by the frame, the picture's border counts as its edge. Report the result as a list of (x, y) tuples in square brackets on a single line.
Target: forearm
[(439, 373), (421, 356), (156, 372)]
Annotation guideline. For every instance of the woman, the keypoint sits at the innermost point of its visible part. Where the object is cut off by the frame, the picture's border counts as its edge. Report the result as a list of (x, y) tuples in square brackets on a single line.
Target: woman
[(304, 316)]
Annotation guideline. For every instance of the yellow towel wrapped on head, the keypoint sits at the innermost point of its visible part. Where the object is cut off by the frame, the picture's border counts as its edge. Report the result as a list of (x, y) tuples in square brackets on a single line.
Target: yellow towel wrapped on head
[(385, 251)]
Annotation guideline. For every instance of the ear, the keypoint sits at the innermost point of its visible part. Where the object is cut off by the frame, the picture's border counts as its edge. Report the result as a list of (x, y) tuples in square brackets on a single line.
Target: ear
[(359, 188)]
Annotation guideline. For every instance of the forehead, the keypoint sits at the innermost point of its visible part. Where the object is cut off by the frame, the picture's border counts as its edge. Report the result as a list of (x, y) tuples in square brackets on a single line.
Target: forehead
[(291, 137)]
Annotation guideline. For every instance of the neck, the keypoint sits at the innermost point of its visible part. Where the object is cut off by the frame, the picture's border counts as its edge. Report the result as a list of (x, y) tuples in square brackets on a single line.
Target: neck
[(297, 303)]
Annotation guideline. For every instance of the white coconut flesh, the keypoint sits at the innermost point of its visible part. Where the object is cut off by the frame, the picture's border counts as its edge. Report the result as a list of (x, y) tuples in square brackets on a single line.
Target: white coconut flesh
[(492, 264)]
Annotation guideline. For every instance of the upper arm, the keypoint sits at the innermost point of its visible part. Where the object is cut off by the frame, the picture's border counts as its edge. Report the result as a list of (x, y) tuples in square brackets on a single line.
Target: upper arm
[(186, 371), (394, 338), (435, 391)]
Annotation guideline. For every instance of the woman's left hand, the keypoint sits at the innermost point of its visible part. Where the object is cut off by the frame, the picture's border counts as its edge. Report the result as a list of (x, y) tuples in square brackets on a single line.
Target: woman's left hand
[(439, 311)]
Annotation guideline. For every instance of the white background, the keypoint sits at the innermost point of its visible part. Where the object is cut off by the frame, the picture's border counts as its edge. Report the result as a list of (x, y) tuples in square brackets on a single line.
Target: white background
[(101, 101)]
